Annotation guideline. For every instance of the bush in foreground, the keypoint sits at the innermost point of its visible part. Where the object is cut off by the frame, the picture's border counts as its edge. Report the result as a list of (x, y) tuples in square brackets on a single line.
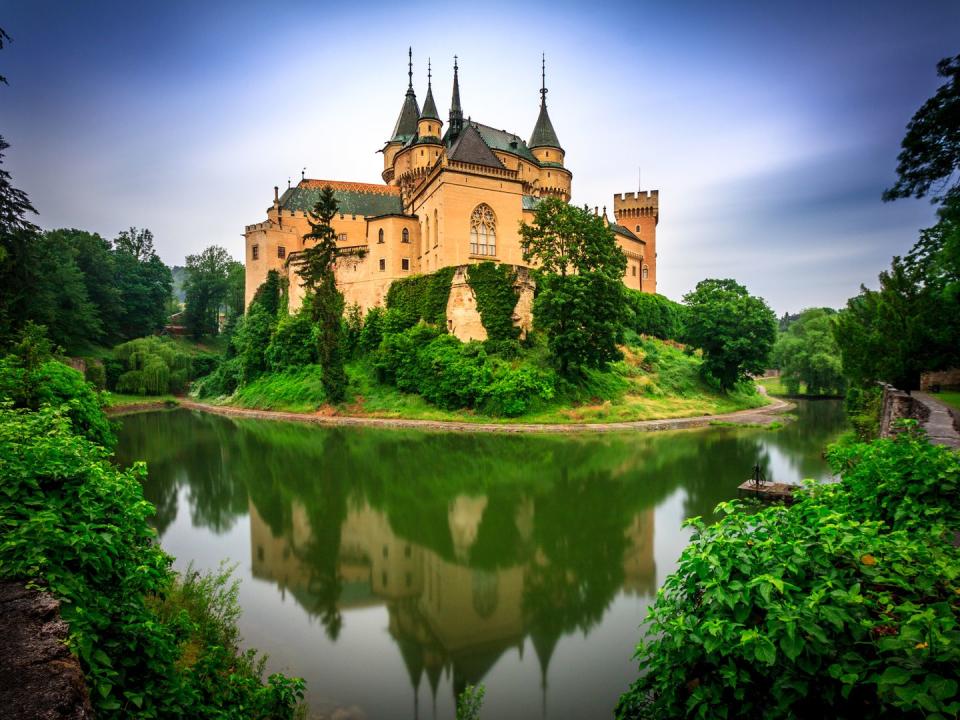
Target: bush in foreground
[(846, 604)]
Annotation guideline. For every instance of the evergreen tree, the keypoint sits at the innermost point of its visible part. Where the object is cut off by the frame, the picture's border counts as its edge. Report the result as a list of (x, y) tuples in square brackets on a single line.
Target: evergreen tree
[(207, 288), (316, 265)]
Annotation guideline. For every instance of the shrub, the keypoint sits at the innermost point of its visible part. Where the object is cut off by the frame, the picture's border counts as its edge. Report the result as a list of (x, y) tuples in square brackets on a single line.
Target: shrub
[(514, 391), (352, 328), (846, 604), (113, 369), (421, 297), (372, 332), (655, 315), (293, 344), (150, 366), (77, 525), (251, 341), (222, 382), (95, 374)]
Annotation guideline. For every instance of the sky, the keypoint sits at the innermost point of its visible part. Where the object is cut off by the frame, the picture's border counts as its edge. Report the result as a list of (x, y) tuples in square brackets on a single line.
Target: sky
[(770, 129)]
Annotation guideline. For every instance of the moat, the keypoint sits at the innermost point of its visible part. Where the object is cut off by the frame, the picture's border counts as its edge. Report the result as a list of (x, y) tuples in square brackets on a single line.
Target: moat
[(391, 568)]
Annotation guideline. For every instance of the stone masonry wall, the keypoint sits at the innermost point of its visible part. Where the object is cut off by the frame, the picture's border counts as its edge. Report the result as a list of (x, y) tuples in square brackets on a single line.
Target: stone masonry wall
[(944, 379)]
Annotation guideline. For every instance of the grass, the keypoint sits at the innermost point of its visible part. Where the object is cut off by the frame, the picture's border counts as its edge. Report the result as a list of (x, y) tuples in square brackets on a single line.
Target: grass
[(654, 381), (117, 400), (951, 398)]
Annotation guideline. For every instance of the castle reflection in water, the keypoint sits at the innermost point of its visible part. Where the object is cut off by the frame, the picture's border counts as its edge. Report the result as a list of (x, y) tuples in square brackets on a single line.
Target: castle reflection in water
[(447, 616)]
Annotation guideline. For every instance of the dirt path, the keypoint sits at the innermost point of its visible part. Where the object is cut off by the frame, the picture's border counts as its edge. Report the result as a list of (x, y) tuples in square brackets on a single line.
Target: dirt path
[(755, 416)]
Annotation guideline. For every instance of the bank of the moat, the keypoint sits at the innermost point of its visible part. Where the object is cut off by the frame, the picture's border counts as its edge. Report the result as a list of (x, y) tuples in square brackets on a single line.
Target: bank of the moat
[(392, 567)]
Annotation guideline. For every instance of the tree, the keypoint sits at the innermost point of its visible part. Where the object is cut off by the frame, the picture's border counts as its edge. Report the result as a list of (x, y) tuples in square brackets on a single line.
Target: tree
[(315, 264), (930, 154), (206, 287), (807, 353), (581, 303), (144, 284), (735, 330)]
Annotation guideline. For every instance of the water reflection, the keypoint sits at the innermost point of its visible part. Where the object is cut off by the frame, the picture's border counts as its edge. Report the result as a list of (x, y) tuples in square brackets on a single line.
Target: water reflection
[(480, 550)]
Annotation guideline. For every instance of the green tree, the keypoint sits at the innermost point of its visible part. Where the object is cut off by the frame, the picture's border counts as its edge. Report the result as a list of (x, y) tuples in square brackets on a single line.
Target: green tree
[(807, 353), (581, 303), (144, 284), (315, 264), (735, 330), (95, 258), (207, 287)]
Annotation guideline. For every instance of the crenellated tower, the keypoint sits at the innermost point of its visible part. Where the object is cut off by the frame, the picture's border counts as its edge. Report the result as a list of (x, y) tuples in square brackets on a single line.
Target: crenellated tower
[(639, 212)]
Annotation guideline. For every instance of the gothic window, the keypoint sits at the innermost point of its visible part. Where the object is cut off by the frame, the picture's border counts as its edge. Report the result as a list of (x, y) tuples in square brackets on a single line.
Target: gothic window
[(380, 236), (406, 236), (483, 231), (255, 252)]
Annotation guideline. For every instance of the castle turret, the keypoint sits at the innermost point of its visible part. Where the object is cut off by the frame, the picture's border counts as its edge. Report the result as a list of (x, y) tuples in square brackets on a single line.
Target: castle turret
[(406, 126), (555, 180), (640, 213), (429, 124)]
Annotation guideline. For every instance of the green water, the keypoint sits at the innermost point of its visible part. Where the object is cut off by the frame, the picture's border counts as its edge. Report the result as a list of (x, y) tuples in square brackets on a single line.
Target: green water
[(391, 568)]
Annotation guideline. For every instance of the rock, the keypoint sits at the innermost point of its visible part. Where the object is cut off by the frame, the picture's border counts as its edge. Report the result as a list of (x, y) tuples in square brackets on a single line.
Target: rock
[(39, 678)]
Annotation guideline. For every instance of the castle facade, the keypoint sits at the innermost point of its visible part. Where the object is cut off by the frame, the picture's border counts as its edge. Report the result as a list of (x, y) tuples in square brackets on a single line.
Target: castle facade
[(451, 196)]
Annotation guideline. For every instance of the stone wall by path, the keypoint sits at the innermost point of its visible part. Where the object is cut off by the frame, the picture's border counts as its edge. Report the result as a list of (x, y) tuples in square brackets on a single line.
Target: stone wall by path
[(39, 678), (939, 421), (942, 379)]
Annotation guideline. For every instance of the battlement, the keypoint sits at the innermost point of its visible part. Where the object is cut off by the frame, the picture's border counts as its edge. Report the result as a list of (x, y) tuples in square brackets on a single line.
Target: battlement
[(643, 198)]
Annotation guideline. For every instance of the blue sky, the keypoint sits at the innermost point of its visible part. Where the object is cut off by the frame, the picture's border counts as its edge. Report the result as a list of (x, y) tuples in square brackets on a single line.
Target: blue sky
[(771, 129)]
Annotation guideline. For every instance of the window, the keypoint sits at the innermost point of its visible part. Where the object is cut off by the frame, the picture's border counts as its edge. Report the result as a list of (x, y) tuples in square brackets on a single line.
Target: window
[(633, 268), (281, 251), (638, 228), (406, 235), (255, 252), (646, 271), (383, 264), (380, 237), (436, 230), (483, 231), (342, 237), (405, 264)]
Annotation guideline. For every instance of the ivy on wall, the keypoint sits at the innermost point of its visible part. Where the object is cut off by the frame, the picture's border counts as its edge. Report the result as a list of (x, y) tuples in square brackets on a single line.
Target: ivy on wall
[(493, 285), (422, 297)]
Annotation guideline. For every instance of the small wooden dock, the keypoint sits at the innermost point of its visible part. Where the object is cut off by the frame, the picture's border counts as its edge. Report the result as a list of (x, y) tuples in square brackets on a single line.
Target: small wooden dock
[(767, 492)]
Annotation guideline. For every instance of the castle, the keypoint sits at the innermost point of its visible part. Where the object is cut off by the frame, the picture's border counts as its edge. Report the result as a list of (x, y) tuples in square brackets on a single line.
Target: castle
[(450, 197)]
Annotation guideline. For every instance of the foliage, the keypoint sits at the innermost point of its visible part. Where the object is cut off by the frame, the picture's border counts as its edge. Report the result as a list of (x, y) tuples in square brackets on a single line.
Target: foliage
[(152, 366), (807, 353), (269, 293), (735, 330), (451, 374), (352, 330), (222, 381), (252, 339), (494, 286), (583, 318), (421, 297), (293, 343), (372, 332), (930, 155), (297, 389), (656, 315), (208, 289), (469, 702), (315, 264), (144, 284), (582, 313), (844, 605), (14, 203), (150, 645), (95, 374)]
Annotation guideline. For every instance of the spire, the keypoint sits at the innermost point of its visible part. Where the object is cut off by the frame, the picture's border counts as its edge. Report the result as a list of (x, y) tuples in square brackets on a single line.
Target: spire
[(456, 112), (429, 106), (543, 133), (410, 112)]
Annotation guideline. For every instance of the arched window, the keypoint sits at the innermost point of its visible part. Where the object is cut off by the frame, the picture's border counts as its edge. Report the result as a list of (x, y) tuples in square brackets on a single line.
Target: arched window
[(406, 235), (638, 228), (646, 271), (483, 231), (436, 230), (380, 237), (426, 232)]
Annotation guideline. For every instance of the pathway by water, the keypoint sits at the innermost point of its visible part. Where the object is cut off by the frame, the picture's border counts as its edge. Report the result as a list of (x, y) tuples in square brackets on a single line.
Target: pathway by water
[(392, 567)]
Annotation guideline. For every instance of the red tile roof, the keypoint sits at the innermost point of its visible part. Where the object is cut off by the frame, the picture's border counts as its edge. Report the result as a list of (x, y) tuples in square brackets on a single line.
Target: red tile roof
[(351, 186)]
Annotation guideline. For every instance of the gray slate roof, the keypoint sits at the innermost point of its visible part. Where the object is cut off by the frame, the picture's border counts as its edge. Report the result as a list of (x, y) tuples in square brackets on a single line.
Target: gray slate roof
[(349, 202), (543, 133), (470, 147)]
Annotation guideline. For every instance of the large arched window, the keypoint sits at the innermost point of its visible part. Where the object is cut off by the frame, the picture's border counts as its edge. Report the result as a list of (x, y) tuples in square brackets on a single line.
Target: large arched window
[(483, 231), (406, 235), (436, 229)]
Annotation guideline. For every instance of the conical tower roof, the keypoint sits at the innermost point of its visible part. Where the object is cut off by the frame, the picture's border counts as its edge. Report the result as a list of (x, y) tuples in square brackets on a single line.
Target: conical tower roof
[(410, 112), (456, 112), (429, 106), (543, 133)]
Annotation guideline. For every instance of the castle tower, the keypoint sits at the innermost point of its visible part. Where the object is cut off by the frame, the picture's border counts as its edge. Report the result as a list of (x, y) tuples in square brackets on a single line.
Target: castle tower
[(430, 123), (640, 212), (555, 179), (406, 126)]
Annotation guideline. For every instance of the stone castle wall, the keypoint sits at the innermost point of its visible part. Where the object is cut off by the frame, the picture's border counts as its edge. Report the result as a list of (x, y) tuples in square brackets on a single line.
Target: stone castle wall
[(943, 379)]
